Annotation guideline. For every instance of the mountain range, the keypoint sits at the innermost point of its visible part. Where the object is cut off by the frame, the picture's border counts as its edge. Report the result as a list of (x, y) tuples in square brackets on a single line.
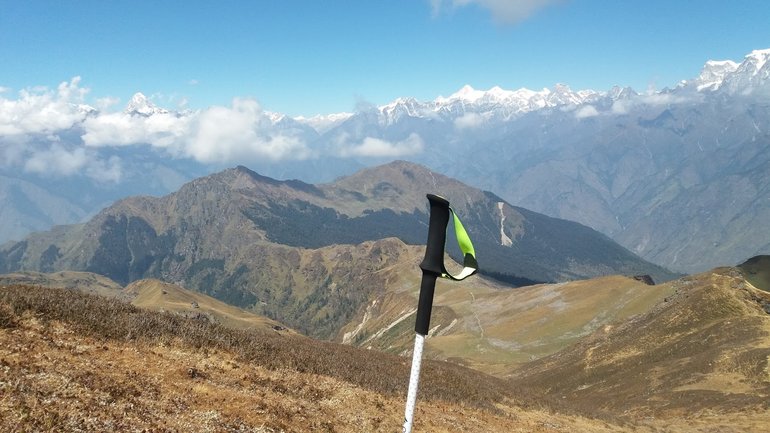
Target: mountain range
[(678, 176), (312, 256)]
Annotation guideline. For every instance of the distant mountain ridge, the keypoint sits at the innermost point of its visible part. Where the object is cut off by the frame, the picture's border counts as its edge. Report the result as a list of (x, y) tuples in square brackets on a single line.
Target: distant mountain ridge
[(652, 170), (306, 254)]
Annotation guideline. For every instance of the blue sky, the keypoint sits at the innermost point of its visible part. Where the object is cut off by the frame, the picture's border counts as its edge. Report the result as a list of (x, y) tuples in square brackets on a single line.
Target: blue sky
[(320, 57)]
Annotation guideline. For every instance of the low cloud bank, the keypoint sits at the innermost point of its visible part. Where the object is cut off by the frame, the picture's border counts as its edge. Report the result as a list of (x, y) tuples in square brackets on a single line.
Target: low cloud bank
[(53, 132)]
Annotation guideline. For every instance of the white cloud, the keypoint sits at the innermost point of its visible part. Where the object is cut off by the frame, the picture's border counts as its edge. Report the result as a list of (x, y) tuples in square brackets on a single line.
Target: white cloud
[(469, 121), (239, 133), (12, 150), (504, 11), (52, 132), (243, 131), (217, 134), (40, 110), (109, 170), (164, 130), (376, 147), (32, 127), (586, 111), (106, 103), (623, 106), (57, 160)]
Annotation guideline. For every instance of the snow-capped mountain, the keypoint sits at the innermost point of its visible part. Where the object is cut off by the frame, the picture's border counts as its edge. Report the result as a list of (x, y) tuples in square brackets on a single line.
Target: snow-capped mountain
[(139, 104), (726, 76), (753, 74), (649, 169), (501, 104), (652, 170), (323, 123), (493, 103), (713, 74)]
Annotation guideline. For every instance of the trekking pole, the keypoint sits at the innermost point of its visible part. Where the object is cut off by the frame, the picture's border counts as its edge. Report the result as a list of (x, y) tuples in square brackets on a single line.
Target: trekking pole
[(432, 267)]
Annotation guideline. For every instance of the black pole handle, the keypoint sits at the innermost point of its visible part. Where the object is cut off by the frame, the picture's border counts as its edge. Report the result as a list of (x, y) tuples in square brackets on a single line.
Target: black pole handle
[(433, 263)]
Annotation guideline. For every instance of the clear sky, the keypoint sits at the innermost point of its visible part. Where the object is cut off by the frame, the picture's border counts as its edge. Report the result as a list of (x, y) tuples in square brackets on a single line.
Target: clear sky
[(320, 57)]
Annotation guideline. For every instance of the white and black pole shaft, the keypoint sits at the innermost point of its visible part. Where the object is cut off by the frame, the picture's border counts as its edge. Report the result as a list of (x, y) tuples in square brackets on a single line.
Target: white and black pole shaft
[(432, 267)]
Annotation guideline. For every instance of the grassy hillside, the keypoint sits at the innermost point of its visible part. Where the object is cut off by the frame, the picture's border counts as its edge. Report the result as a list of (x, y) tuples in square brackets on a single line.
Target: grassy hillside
[(478, 323), (757, 272), (695, 362), (159, 296), (148, 294), (83, 281), (706, 349), (76, 362), (493, 328)]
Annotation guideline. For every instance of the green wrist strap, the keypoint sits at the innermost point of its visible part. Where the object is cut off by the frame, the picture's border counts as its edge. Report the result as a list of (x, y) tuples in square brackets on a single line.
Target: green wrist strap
[(470, 265)]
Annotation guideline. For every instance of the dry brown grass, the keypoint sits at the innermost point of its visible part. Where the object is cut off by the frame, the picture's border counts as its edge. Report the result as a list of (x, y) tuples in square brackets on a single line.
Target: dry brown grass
[(705, 350), (74, 362), (7, 317), (112, 319)]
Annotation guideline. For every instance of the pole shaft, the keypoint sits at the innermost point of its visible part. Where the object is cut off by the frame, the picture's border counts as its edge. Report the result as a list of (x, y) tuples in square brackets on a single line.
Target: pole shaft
[(432, 266), (414, 379)]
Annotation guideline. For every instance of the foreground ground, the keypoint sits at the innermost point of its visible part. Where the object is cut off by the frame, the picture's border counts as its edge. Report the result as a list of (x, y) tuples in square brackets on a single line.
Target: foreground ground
[(76, 362), (62, 369)]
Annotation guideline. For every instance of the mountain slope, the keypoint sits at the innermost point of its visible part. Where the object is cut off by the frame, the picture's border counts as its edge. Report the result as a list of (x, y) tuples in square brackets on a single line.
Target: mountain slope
[(495, 329), (28, 207), (244, 238), (149, 294), (80, 362), (757, 272), (677, 176), (705, 349), (84, 281), (156, 295), (77, 362)]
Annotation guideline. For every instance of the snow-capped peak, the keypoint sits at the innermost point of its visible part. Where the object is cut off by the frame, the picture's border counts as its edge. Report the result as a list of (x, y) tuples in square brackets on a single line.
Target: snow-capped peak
[(752, 75), (85, 108), (713, 74), (323, 123), (496, 95), (466, 94), (274, 117), (139, 104), (758, 58)]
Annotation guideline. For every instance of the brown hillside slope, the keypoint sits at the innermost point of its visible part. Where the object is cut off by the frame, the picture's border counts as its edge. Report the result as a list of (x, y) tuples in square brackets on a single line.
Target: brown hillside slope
[(706, 350), (75, 362), (493, 328), (757, 271), (156, 295), (149, 294), (83, 281)]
